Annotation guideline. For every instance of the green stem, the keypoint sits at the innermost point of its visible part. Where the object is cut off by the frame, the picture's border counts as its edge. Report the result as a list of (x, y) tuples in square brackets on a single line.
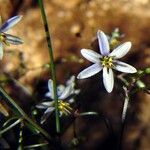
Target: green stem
[(124, 116), (126, 103), (11, 126), (25, 116), (20, 147), (53, 72), (35, 145)]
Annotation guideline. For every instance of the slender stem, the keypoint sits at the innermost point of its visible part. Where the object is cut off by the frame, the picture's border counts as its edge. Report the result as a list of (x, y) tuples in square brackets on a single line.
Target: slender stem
[(124, 116), (25, 116), (127, 91), (35, 145), (53, 72), (9, 120), (125, 106), (11, 126), (20, 147), (105, 120)]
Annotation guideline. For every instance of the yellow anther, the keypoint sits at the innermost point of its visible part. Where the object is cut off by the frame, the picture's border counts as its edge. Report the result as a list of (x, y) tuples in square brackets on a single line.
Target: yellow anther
[(107, 61), (64, 107), (114, 43), (3, 39)]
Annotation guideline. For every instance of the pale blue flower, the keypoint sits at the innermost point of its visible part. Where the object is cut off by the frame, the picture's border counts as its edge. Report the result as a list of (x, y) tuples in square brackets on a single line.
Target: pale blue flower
[(106, 61), (62, 91), (65, 98), (7, 38)]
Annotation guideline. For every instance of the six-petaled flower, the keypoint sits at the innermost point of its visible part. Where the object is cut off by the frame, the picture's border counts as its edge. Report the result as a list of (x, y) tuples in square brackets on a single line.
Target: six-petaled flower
[(65, 98), (106, 61), (7, 38)]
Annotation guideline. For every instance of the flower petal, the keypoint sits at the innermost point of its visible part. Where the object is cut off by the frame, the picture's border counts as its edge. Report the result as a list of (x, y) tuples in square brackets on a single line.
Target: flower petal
[(123, 67), (46, 114), (70, 80), (50, 88), (90, 71), (71, 100), (13, 39), (48, 94), (60, 89), (10, 23), (77, 91), (45, 105), (108, 79), (121, 50), (1, 51), (49, 110), (91, 55), (67, 92), (103, 43)]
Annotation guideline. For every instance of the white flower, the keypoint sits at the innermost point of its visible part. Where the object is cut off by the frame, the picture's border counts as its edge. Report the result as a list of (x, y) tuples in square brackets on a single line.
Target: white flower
[(7, 38), (65, 98), (106, 61)]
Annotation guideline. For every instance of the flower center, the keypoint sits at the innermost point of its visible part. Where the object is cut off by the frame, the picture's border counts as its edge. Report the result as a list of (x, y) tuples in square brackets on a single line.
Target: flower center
[(3, 39), (107, 61), (64, 107)]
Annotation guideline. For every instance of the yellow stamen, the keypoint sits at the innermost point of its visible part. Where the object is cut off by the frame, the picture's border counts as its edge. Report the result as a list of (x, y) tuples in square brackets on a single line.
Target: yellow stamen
[(113, 43), (64, 107), (107, 62), (3, 39)]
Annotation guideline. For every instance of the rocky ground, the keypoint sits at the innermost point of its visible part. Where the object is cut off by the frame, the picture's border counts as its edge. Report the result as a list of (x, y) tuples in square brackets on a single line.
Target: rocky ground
[(73, 26)]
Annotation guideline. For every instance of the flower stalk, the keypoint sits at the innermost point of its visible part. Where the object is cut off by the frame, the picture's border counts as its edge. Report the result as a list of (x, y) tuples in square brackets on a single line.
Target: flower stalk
[(127, 89), (53, 72), (124, 116)]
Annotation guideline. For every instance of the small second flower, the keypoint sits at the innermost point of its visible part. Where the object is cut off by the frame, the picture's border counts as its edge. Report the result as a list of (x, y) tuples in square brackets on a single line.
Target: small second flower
[(65, 98)]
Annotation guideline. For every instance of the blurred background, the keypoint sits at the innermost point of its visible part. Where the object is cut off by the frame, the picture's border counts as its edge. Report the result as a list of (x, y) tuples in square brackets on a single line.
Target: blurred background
[(73, 25)]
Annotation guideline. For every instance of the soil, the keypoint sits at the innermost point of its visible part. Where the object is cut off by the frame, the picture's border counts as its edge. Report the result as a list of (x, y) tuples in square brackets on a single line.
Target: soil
[(73, 25)]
